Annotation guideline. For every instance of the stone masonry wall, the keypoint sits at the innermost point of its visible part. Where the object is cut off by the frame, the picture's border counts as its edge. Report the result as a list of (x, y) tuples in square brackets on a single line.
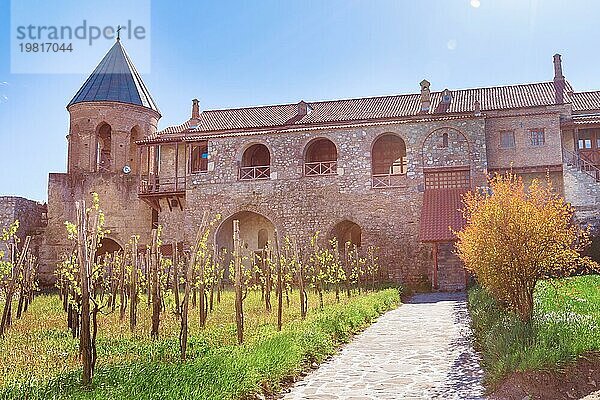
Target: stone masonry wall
[(30, 216), (125, 213), (299, 205), (523, 154), (128, 123)]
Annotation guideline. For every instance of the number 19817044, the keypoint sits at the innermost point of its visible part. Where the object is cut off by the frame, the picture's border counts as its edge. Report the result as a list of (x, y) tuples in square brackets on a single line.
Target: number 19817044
[(45, 47)]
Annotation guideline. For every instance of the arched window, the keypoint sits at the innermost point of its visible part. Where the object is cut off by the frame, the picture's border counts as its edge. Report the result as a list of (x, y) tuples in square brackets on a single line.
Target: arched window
[(320, 158), (445, 139), (103, 149), (388, 161), (256, 163)]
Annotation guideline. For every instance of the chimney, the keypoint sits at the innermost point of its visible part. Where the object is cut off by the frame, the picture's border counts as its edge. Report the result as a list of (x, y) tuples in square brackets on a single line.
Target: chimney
[(425, 96), (559, 81), (195, 109)]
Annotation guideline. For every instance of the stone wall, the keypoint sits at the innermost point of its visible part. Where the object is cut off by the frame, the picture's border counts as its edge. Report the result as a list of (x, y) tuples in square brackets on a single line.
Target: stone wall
[(31, 216), (583, 192), (523, 154), (125, 213), (300, 205), (128, 123), (451, 273)]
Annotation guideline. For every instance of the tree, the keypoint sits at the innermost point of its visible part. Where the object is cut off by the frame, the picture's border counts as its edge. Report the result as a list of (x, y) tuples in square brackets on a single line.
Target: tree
[(516, 236)]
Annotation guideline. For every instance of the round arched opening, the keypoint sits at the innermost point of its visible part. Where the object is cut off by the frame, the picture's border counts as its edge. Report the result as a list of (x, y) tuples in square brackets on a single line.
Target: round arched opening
[(347, 232), (255, 232), (256, 163), (320, 157), (256, 155), (103, 150), (388, 155), (108, 246)]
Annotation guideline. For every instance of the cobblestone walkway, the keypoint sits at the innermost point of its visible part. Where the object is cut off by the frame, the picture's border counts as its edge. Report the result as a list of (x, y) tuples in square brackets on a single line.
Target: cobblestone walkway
[(421, 350)]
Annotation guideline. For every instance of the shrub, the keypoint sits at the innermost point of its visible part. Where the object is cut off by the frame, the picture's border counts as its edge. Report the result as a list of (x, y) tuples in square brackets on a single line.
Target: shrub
[(516, 236)]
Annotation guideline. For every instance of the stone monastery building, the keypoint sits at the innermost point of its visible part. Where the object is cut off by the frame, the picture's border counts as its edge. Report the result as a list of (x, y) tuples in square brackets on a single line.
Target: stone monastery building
[(384, 171)]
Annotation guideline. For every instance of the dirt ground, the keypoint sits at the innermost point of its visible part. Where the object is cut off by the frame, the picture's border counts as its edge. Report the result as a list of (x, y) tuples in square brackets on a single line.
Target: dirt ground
[(578, 380)]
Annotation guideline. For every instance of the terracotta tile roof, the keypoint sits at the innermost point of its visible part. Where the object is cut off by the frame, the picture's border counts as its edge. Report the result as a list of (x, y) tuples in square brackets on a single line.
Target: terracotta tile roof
[(373, 108), (585, 101), (440, 214)]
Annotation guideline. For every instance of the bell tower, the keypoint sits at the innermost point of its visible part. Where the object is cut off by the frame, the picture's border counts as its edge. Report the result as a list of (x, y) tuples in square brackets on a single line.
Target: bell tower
[(112, 110)]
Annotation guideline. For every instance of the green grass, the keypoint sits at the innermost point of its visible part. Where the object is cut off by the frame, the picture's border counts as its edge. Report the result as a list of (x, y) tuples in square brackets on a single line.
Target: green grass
[(566, 324), (38, 358)]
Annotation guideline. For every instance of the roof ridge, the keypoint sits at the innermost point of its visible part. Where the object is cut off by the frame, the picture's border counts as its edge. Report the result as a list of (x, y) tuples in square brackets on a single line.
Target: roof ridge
[(376, 97)]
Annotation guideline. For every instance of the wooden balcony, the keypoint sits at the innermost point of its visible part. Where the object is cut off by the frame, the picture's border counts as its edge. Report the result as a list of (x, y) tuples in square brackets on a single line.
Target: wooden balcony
[(161, 185), (154, 188), (320, 168), (255, 173)]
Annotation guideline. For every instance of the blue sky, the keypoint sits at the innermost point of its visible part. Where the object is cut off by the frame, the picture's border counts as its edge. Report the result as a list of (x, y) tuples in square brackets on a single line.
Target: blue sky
[(232, 54)]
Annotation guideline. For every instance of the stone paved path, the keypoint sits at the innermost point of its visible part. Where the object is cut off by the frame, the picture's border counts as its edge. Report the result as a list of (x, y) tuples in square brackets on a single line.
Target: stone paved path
[(421, 350)]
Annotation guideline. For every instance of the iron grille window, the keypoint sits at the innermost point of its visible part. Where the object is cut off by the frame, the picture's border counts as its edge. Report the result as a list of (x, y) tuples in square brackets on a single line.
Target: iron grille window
[(537, 137), (448, 179)]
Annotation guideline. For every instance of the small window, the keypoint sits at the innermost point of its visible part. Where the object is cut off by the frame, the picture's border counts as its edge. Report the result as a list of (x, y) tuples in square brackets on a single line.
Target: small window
[(586, 143), (537, 137), (199, 158), (445, 140), (507, 139)]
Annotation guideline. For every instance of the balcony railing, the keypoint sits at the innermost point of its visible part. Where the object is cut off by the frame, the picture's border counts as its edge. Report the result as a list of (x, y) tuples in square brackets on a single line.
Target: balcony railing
[(158, 184), (579, 162), (320, 168), (254, 173), (388, 180)]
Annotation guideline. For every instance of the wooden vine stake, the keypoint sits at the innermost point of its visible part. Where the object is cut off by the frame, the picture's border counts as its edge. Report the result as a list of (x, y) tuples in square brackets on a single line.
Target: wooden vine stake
[(16, 271), (301, 287), (155, 284), (176, 279), (279, 283), (86, 252), (183, 333), (133, 290), (239, 312)]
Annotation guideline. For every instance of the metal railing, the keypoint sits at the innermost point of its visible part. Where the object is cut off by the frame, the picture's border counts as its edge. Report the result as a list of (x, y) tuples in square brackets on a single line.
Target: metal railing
[(320, 168), (254, 173), (157, 184), (388, 180), (574, 159)]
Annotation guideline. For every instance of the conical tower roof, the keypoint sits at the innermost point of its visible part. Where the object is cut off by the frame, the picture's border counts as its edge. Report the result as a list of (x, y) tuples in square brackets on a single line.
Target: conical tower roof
[(115, 79)]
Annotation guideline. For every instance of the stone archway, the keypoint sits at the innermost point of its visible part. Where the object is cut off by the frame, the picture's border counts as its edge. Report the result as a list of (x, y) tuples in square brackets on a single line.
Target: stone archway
[(347, 231), (108, 246), (255, 231)]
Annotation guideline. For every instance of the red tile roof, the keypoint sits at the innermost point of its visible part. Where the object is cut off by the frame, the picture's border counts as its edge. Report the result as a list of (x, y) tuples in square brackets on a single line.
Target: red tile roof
[(441, 214), (373, 108), (585, 101)]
